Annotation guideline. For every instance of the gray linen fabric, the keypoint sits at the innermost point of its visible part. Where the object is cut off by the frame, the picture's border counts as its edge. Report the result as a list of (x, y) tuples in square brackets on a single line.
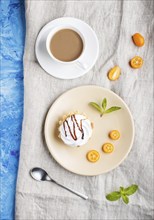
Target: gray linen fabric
[(114, 23)]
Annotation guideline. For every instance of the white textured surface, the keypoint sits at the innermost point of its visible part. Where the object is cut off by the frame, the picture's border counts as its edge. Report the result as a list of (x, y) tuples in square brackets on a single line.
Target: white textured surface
[(114, 23)]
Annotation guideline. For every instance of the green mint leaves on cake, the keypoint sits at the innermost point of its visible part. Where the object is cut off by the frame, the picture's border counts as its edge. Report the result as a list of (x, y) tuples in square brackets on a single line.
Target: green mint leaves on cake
[(122, 193), (103, 107)]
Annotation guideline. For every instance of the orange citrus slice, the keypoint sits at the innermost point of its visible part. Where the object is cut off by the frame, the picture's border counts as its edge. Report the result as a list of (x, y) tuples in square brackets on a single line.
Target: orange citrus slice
[(93, 156), (114, 135), (108, 148), (136, 62)]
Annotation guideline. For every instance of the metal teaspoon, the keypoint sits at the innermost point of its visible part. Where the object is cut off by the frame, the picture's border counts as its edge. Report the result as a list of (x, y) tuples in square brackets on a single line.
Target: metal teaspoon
[(41, 175)]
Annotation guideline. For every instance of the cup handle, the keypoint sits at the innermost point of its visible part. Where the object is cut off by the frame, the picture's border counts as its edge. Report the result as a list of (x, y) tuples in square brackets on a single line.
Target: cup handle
[(81, 65)]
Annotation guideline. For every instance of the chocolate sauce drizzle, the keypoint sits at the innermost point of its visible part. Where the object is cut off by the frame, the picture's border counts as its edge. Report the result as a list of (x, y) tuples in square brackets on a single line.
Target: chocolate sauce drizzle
[(75, 123)]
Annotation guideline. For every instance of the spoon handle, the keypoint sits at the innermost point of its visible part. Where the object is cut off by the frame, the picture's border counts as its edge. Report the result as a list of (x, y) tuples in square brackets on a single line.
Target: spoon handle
[(73, 191)]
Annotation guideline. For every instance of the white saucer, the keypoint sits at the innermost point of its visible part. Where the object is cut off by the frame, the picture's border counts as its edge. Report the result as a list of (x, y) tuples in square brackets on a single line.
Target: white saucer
[(67, 71)]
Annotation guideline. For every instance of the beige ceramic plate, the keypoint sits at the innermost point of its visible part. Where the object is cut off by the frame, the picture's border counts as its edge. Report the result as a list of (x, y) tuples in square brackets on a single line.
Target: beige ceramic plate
[(74, 159)]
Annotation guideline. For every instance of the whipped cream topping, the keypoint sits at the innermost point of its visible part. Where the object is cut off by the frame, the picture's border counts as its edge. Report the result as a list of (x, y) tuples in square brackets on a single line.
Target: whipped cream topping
[(75, 130)]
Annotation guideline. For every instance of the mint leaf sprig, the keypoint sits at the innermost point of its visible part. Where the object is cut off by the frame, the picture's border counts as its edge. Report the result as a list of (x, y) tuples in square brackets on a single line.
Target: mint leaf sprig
[(122, 193), (102, 108)]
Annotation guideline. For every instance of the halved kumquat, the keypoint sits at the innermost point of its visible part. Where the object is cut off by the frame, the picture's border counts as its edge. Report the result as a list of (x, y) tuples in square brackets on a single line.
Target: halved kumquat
[(136, 62), (114, 73)]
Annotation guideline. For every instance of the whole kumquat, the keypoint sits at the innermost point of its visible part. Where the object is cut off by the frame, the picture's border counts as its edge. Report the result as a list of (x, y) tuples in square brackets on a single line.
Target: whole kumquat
[(138, 39)]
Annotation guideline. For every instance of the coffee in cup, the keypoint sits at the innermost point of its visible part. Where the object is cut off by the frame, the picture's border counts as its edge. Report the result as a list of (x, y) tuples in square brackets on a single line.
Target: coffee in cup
[(66, 45)]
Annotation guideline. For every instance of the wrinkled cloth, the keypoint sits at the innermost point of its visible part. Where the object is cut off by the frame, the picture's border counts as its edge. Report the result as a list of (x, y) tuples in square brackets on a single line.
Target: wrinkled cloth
[(114, 23)]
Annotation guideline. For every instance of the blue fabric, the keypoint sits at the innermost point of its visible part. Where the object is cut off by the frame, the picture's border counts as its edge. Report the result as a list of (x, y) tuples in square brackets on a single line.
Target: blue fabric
[(12, 21)]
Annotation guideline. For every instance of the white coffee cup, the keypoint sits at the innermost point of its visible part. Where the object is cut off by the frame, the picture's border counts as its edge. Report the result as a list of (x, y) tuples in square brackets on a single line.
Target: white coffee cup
[(77, 61)]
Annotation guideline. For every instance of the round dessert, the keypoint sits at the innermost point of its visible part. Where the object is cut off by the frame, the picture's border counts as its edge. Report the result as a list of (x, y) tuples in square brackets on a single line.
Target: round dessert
[(75, 129)]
